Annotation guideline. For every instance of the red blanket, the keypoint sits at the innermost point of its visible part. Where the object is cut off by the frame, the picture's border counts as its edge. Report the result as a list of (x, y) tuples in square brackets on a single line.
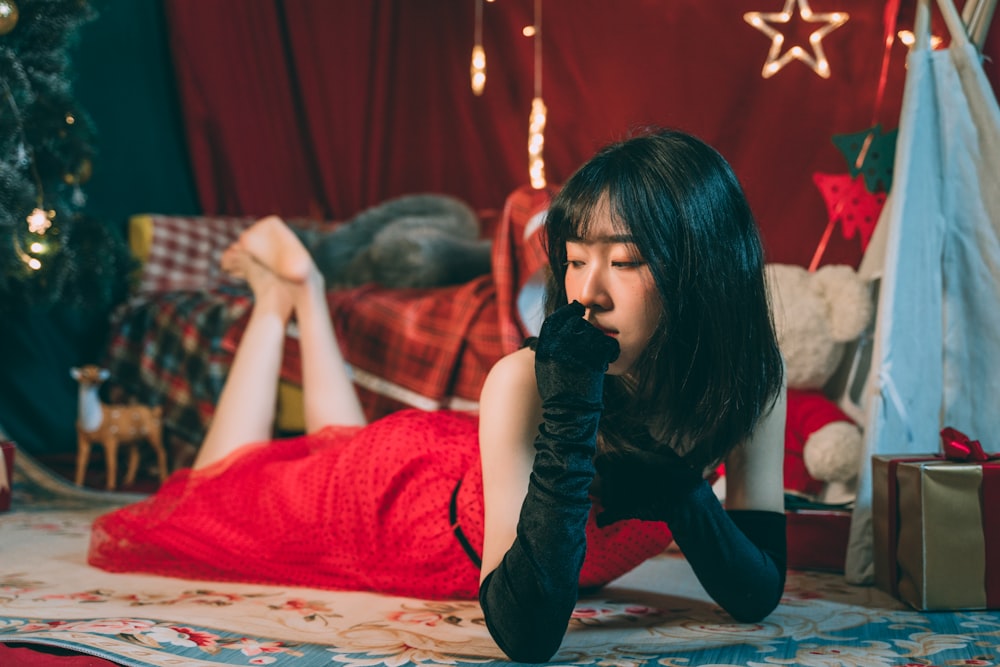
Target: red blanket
[(431, 348)]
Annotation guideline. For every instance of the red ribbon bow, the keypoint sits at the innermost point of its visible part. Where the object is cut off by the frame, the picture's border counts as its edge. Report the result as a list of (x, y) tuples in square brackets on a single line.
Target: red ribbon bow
[(958, 447)]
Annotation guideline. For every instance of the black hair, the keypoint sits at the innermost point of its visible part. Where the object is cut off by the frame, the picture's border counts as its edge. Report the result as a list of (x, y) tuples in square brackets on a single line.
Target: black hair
[(713, 365)]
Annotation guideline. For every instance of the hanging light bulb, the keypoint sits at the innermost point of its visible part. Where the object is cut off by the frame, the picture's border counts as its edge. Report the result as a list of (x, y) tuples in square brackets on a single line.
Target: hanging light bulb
[(536, 143), (537, 119), (477, 69)]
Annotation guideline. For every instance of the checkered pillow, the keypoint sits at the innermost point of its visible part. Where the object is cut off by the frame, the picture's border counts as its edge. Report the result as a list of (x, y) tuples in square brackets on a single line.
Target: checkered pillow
[(184, 252)]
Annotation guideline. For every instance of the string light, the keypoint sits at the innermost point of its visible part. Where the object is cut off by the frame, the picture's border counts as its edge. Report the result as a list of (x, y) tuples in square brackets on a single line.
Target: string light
[(39, 221), (536, 121), (775, 59), (908, 39), (35, 247), (477, 69), (536, 142)]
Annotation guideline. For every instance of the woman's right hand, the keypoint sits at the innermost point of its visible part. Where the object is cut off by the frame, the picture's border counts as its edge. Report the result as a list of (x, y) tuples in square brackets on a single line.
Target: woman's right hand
[(572, 356)]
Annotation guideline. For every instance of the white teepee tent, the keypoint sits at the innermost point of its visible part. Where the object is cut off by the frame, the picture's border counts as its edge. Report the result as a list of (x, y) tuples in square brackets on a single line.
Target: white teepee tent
[(936, 355)]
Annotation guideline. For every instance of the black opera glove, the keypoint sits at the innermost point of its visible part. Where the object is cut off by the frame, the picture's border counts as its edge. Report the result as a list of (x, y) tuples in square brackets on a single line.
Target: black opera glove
[(571, 358), (528, 599), (739, 556), (642, 484)]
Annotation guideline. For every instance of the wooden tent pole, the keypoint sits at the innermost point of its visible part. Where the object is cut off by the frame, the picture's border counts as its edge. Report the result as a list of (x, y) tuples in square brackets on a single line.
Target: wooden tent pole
[(977, 16)]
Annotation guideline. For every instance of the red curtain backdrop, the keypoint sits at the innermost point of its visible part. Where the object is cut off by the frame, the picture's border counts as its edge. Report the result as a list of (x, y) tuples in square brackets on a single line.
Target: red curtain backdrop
[(321, 108)]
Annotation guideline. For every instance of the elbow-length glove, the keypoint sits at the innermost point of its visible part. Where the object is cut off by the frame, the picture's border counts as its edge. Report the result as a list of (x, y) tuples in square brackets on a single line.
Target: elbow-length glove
[(739, 556), (528, 599)]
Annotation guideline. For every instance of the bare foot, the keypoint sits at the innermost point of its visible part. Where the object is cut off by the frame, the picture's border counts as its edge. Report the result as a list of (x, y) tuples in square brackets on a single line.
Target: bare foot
[(233, 260), (271, 292), (274, 245)]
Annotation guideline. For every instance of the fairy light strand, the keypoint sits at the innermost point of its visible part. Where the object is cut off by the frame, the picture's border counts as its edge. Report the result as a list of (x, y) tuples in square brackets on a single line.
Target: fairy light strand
[(537, 119), (39, 220), (477, 68)]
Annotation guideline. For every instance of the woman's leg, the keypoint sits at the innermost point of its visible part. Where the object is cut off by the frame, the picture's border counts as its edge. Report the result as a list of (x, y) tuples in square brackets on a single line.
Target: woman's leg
[(328, 395), (246, 408)]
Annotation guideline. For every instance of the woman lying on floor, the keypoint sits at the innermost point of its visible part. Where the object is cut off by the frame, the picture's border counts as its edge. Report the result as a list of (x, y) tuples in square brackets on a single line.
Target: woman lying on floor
[(592, 450)]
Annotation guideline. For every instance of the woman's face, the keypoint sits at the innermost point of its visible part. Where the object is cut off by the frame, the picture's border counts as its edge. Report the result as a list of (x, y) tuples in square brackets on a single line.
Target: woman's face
[(606, 273)]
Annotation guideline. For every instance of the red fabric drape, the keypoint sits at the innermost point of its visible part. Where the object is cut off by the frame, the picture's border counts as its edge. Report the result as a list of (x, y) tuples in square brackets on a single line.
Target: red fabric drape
[(312, 107)]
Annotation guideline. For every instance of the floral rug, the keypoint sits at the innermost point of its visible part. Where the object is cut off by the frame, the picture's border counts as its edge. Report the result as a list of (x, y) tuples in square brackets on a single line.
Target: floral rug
[(655, 615)]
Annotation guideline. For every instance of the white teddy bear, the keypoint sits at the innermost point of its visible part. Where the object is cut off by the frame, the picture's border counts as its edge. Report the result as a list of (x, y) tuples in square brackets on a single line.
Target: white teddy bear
[(815, 315)]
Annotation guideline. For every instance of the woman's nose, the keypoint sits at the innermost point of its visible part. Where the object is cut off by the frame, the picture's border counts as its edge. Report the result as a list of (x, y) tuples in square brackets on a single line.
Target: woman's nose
[(593, 290)]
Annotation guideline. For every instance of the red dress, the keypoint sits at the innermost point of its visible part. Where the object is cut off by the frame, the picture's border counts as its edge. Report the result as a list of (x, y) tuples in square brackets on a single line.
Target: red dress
[(346, 508)]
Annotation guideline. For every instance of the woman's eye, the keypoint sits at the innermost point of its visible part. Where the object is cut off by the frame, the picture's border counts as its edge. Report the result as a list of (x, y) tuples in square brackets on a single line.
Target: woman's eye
[(627, 256)]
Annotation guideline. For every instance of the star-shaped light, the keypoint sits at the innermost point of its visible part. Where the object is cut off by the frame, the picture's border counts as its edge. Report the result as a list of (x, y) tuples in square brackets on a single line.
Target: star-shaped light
[(775, 59), (39, 221)]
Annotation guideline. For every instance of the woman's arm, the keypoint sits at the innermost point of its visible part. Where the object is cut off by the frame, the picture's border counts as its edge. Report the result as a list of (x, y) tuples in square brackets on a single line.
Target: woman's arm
[(529, 595), (754, 472), (737, 553), (509, 415)]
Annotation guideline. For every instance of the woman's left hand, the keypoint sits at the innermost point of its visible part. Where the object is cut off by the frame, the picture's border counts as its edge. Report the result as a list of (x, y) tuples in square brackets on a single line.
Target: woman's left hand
[(640, 484)]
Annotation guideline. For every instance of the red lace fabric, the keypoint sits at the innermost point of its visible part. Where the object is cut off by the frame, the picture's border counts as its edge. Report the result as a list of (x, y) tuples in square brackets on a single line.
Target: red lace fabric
[(345, 508)]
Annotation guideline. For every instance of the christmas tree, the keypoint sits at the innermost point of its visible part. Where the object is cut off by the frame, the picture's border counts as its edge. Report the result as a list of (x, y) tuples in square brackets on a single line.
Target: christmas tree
[(51, 251)]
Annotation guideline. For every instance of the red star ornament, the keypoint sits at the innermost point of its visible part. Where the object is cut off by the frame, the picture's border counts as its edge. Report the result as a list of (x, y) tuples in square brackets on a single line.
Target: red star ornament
[(850, 202)]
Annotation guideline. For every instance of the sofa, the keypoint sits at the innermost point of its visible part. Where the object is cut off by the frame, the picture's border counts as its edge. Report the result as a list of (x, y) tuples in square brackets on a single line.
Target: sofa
[(172, 342)]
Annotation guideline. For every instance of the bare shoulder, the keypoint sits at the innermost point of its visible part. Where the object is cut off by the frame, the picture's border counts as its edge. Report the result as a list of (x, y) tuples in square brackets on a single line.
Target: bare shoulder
[(517, 366), (754, 470), (510, 396)]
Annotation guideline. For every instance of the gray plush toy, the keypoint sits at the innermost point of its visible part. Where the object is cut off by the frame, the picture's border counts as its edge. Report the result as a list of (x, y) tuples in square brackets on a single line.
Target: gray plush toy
[(419, 240)]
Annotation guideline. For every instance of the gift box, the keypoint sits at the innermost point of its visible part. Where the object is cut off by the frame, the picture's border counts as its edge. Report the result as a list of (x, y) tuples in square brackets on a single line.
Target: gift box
[(817, 534), (936, 525), (7, 469)]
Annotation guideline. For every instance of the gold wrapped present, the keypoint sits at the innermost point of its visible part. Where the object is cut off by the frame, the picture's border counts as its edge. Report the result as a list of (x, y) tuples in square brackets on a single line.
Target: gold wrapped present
[(6, 473), (936, 524)]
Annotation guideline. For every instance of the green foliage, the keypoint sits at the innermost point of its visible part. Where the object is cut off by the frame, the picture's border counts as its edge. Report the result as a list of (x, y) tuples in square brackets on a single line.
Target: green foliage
[(46, 151)]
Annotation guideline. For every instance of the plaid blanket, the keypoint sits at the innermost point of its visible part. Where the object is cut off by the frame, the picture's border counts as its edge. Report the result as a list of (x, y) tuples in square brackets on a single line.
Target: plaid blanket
[(167, 350), (432, 348), (426, 348)]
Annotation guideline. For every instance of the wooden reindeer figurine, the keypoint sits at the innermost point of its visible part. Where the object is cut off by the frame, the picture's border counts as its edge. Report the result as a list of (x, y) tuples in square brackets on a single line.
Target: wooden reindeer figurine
[(114, 425)]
